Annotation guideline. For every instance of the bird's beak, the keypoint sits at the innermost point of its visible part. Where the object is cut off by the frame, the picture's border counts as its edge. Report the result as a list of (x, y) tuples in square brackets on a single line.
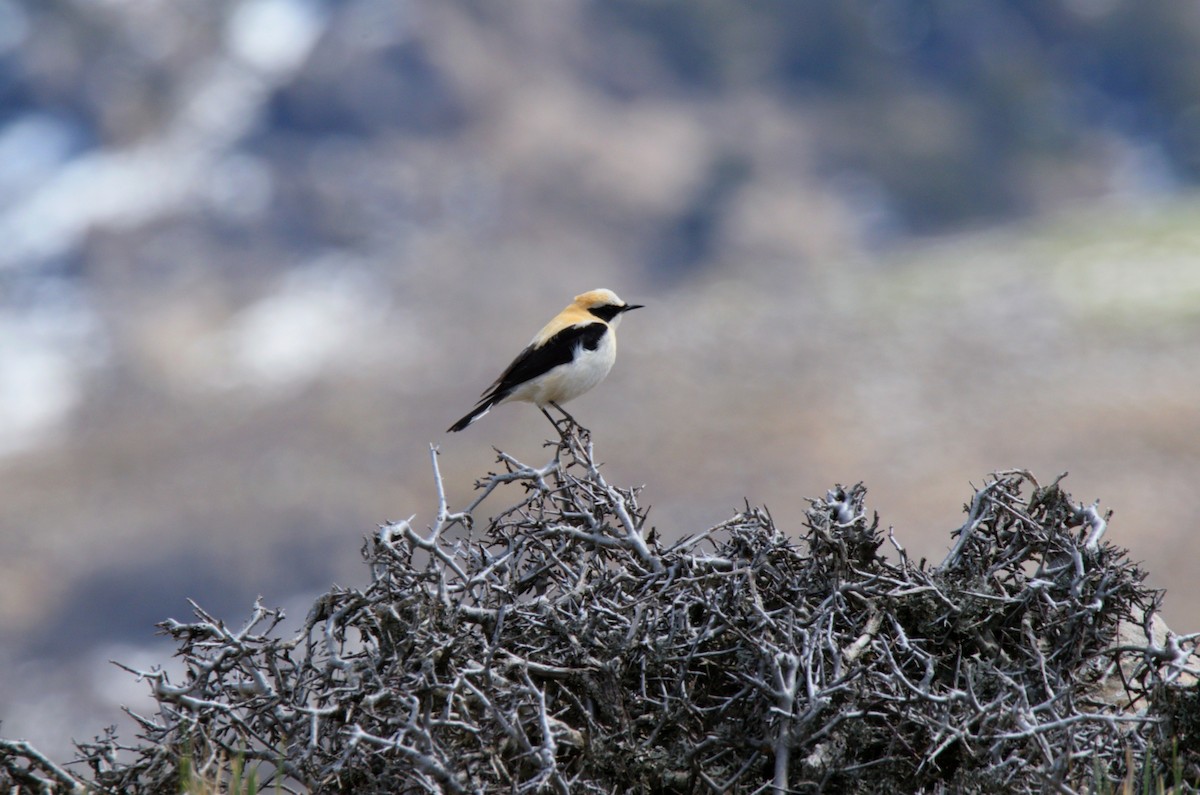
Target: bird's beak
[(631, 307)]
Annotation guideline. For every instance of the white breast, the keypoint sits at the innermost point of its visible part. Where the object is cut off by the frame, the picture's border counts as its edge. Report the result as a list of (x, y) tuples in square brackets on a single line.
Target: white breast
[(569, 381)]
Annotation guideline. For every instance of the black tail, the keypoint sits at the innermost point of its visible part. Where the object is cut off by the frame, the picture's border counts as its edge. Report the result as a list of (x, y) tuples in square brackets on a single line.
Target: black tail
[(476, 413)]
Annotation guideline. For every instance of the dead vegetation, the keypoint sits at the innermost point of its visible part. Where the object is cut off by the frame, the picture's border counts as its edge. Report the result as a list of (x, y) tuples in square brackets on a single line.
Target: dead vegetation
[(561, 646)]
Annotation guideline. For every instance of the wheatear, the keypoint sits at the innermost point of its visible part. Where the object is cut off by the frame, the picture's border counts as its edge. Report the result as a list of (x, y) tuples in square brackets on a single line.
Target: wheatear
[(570, 355)]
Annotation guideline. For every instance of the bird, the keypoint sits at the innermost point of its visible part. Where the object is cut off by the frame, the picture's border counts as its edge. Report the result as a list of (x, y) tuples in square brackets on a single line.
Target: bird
[(570, 355)]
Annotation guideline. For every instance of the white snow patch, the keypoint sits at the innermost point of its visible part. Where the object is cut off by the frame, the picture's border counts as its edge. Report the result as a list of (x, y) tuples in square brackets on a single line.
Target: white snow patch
[(46, 352), (49, 216), (274, 36), (31, 147), (320, 319)]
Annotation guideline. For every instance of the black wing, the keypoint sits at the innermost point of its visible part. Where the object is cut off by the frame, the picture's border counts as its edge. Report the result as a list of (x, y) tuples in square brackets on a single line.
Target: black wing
[(532, 362)]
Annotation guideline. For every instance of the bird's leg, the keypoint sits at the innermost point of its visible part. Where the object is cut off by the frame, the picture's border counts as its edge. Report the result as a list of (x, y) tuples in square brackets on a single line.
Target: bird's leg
[(569, 418), (549, 416)]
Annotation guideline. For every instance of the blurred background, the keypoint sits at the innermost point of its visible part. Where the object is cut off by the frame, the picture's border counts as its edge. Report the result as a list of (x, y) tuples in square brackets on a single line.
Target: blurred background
[(256, 255)]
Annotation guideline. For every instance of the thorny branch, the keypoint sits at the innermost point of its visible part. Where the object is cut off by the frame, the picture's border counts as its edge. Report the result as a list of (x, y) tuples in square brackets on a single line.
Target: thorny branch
[(560, 646)]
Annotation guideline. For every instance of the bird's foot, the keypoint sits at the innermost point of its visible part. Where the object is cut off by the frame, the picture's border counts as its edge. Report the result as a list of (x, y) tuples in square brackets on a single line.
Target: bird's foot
[(566, 425)]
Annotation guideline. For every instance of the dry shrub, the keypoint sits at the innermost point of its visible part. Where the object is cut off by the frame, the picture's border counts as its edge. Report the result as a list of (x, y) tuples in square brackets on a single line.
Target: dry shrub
[(561, 646)]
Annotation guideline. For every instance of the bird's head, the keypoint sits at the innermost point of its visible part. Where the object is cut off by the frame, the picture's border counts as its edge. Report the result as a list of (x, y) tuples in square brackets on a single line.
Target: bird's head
[(604, 304)]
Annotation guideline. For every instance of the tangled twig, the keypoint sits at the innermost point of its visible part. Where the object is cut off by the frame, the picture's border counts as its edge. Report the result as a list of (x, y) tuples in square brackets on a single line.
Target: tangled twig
[(562, 647)]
